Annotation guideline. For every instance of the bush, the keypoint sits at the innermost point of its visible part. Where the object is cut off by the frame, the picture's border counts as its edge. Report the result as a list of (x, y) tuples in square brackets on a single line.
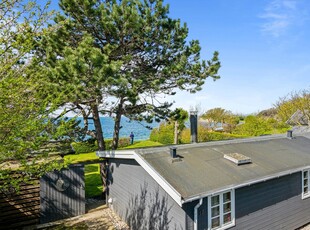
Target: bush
[(84, 147), (254, 126), (205, 134), (185, 136), (122, 142), (164, 134)]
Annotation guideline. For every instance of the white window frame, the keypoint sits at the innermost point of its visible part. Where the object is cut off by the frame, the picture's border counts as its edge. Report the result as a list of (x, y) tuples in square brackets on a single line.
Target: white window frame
[(232, 202), (305, 195)]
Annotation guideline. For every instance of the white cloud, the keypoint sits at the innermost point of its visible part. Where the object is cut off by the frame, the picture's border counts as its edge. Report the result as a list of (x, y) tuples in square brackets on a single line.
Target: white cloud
[(279, 16)]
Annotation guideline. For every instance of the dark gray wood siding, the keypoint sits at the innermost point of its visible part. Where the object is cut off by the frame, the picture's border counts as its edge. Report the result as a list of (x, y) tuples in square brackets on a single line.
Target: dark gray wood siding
[(59, 201), (189, 210), (139, 200), (274, 204), (202, 213)]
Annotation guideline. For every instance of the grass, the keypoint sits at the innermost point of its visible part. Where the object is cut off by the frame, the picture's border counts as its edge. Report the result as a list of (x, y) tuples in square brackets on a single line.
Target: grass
[(84, 157), (93, 183), (143, 144)]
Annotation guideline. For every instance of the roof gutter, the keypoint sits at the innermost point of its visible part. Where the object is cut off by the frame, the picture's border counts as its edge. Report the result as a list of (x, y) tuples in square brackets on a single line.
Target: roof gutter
[(196, 214)]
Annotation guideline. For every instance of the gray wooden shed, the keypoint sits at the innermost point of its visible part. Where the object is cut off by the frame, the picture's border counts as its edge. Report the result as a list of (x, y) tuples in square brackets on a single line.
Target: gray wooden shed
[(196, 186)]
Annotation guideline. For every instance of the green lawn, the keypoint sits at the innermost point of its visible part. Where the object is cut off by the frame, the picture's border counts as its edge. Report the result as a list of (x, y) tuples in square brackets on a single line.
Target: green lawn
[(143, 144), (93, 183), (84, 157)]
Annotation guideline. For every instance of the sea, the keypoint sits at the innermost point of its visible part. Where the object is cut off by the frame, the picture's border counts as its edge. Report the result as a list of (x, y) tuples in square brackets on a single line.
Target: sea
[(127, 126)]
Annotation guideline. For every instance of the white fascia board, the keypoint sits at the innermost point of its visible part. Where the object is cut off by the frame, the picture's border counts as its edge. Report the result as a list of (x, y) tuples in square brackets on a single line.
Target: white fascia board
[(123, 154), (130, 154), (160, 180)]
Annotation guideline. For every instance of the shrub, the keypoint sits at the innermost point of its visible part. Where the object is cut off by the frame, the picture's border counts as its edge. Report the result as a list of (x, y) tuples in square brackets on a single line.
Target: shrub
[(122, 142), (254, 126), (185, 136), (84, 147), (164, 134), (205, 134)]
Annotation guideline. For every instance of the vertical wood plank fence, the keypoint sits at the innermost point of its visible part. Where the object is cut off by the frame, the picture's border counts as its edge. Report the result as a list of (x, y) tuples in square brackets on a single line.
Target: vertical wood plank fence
[(57, 195), (62, 194)]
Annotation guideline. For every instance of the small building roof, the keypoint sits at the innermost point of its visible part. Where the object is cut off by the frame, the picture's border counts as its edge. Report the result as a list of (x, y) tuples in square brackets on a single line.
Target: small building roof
[(202, 168)]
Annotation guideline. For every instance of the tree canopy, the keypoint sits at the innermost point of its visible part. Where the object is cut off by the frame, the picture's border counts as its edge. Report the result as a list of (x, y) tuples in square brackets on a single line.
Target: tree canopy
[(120, 57), (178, 117), (294, 102), (226, 118), (25, 122)]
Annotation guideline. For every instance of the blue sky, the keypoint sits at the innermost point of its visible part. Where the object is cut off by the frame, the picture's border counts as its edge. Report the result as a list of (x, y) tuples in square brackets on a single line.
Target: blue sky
[(264, 50)]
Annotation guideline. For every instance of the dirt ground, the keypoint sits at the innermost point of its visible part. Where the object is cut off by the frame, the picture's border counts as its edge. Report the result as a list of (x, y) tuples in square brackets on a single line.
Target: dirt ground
[(100, 218)]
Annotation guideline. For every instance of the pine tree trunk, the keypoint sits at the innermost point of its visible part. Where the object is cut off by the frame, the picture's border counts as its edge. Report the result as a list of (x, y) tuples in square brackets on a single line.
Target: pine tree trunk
[(176, 132), (104, 177), (98, 128), (117, 125), (101, 147)]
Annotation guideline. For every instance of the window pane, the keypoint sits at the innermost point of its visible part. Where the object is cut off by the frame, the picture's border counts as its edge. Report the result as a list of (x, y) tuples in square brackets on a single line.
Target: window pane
[(226, 197), (305, 174), (305, 189), (220, 210), (227, 218), (306, 182), (215, 222), (227, 207), (215, 200), (215, 211)]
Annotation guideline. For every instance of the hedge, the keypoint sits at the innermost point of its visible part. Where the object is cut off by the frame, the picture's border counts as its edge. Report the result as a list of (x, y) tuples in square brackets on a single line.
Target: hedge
[(204, 134)]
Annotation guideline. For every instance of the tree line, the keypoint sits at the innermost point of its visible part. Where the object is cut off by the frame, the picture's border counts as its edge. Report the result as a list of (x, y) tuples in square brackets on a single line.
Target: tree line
[(220, 124)]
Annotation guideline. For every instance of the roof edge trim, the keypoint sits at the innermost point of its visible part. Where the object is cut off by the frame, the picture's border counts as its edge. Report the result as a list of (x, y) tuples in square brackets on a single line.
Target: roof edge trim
[(131, 154), (160, 180), (126, 154), (248, 183)]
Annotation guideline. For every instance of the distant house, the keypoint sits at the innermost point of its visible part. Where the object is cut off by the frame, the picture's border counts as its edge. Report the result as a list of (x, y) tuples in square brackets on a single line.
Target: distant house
[(257, 183)]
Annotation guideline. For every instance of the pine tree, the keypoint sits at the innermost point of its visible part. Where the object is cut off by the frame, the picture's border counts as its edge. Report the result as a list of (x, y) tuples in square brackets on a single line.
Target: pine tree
[(117, 57)]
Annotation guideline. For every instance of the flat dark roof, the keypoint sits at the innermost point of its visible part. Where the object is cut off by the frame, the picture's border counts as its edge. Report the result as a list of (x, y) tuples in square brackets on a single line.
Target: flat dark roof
[(203, 169)]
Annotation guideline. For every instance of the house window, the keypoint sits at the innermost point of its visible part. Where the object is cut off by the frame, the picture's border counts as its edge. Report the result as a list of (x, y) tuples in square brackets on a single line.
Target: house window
[(305, 184), (221, 210)]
